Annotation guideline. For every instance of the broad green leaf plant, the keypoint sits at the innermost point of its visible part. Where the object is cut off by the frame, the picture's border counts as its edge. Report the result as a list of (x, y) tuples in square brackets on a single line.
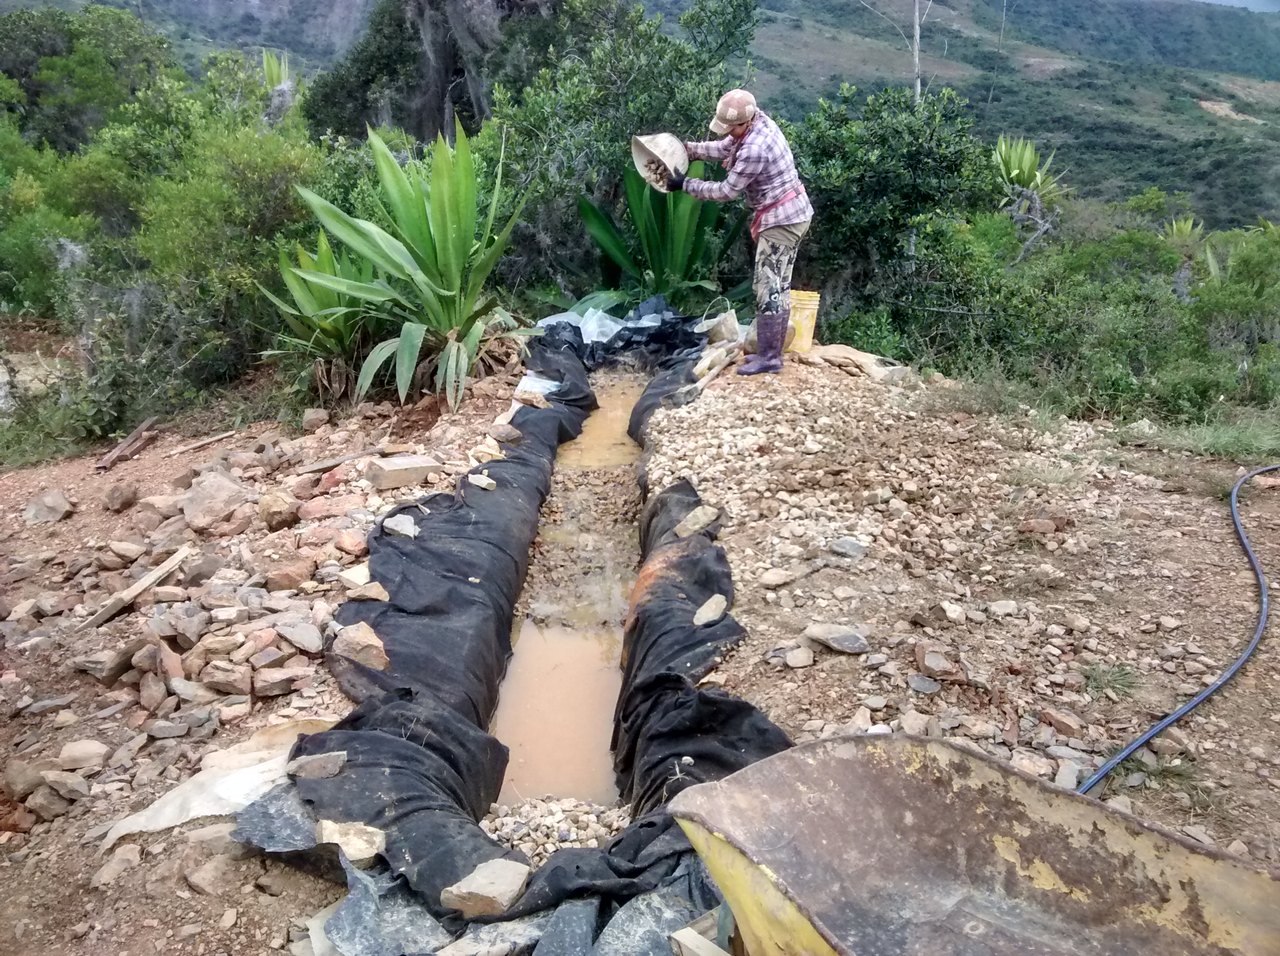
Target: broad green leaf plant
[(326, 326), (425, 278), (675, 245), (1018, 164)]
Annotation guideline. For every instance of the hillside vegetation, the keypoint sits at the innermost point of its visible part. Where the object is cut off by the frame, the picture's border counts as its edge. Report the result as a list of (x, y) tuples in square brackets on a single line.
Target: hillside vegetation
[(182, 230), (1176, 94), (1130, 93), (314, 32)]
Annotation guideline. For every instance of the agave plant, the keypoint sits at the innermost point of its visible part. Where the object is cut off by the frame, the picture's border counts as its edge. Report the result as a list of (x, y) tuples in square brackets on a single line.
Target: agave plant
[(325, 325), (1020, 169), (275, 68), (1184, 234), (431, 269), (674, 246)]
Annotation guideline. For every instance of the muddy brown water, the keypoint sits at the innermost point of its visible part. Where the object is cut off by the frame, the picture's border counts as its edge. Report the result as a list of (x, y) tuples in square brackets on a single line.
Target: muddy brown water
[(555, 709)]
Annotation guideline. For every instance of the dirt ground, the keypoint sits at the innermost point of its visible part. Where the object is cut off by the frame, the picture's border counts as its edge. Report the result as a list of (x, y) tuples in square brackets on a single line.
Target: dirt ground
[(59, 899), (1043, 591), (1076, 588)]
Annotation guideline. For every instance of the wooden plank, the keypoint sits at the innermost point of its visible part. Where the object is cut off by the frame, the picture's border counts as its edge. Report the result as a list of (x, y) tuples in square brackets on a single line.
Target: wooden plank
[(332, 463), (145, 439), (196, 446), (117, 453), (706, 924), (689, 942), (118, 602)]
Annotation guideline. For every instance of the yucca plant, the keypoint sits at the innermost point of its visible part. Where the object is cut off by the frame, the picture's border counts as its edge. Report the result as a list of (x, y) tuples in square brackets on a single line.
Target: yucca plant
[(1184, 234), (1020, 169), (275, 68), (324, 325), (674, 245), (431, 269)]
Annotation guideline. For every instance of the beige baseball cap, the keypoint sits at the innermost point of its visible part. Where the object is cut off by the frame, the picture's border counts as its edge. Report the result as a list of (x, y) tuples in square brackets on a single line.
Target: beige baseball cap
[(735, 108)]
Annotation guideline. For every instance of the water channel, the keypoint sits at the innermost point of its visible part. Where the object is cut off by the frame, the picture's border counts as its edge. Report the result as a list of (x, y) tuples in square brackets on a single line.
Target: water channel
[(555, 712)]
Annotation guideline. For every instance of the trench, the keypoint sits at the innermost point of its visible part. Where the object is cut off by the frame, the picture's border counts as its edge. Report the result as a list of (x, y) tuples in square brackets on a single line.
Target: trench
[(556, 703)]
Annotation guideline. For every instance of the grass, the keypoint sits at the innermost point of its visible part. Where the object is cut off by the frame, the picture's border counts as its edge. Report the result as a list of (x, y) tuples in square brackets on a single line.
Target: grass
[(41, 430), (25, 439), (1251, 436), (1121, 679), (1174, 772)]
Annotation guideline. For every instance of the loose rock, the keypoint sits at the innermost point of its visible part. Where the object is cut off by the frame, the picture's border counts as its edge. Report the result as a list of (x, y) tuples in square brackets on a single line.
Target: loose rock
[(50, 507), (278, 510), (712, 610), (697, 520), (83, 754), (838, 637), (489, 890), (361, 843), (124, 858), (361, 643), (120, 497)]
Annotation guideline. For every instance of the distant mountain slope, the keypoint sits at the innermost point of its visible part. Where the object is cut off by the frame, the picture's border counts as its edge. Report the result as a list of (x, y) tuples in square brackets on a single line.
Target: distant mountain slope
[(318, 30), (1161, 32), (1180, 94), (1121, 118)]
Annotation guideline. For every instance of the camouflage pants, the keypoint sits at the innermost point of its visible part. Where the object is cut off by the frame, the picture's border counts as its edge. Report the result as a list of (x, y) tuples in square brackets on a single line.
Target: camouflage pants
[(775, 258)]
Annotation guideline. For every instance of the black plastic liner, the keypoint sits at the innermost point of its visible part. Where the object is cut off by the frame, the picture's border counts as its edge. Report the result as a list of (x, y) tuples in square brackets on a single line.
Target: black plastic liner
[(651, 333), (421, 765), (668, 734), (673, 374)]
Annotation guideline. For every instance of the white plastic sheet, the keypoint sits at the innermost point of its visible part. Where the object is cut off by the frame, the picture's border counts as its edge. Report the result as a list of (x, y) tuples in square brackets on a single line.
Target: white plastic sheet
[(228, 781)]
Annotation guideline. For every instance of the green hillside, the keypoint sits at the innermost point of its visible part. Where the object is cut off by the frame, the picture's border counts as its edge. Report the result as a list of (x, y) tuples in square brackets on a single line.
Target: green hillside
[(315, 33), (1083, 78)]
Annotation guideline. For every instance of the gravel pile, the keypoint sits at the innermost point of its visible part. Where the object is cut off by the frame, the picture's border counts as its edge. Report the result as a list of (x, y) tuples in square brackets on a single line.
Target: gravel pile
[(538, 828)]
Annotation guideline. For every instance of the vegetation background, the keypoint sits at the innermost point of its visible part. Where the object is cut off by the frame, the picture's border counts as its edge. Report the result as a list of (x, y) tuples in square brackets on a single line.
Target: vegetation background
[(186, 212)]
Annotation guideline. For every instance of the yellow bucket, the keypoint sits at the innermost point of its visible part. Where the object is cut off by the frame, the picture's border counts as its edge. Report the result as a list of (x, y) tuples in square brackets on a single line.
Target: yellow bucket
[(804, 318)]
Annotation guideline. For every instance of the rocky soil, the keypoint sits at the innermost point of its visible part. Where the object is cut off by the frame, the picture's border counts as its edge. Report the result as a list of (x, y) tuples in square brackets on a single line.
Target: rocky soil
[(101, 719), (1042, 592)]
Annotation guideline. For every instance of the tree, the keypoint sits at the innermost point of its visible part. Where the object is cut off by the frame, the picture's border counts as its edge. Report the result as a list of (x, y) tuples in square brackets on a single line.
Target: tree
[(874, 171), (74, 71), (913, 44), (419, 64), (615, 73)]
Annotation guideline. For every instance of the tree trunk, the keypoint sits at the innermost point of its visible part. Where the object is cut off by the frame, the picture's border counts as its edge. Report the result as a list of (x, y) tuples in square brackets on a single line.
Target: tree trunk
[(915, 45)]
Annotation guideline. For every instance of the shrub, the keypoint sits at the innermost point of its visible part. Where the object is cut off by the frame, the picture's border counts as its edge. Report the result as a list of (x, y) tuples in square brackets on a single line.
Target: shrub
[(614, 73), (673, 245), (874, 168), (432, 267), (30, 237)]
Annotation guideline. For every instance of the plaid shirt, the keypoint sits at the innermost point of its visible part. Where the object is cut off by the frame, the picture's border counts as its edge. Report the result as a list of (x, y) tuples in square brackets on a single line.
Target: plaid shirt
[(760, 165)]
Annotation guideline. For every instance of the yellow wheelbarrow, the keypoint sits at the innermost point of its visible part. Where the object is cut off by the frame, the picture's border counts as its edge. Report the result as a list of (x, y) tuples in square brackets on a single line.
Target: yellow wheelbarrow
[(903, 846)]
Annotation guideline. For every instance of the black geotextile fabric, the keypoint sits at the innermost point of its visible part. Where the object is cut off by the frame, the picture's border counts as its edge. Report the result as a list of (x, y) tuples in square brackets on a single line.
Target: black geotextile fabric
[(650, 333), (672, 374), (668, 734), (421, 766)]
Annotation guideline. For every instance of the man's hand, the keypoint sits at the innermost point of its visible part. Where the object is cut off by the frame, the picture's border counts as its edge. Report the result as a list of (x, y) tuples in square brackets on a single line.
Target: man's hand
[(675, 182)]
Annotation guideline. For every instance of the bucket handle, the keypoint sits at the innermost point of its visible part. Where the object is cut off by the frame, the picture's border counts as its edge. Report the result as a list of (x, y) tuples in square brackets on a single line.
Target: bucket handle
[(707, 310)]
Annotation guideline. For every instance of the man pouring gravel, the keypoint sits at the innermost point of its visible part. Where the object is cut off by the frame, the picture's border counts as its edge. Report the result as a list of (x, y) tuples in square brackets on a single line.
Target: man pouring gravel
[(759, 162)]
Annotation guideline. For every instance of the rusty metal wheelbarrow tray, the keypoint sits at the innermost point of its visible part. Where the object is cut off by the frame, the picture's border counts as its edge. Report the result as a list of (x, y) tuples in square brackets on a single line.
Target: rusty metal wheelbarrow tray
[(906, 846)]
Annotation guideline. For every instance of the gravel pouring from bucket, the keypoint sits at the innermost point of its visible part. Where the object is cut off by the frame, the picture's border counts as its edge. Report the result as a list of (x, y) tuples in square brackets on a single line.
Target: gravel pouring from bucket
[(658, 150)]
